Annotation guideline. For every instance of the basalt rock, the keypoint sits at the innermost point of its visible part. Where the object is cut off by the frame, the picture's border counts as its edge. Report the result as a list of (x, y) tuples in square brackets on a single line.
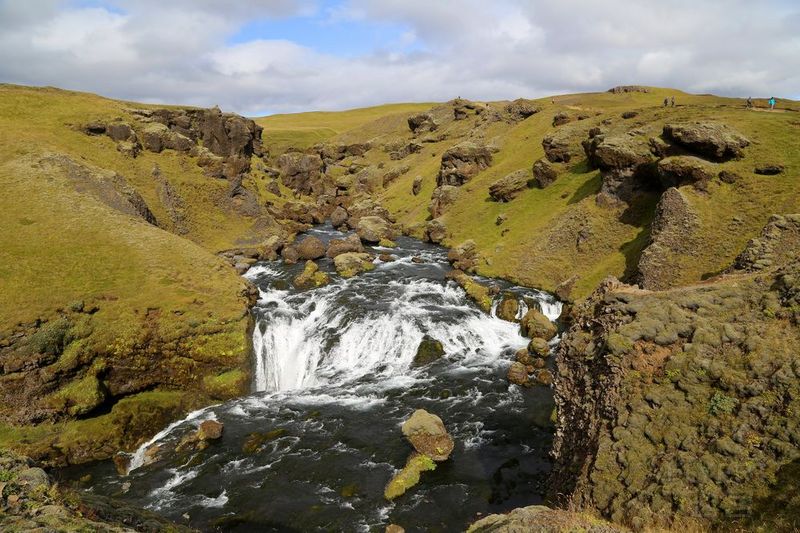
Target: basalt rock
[(339, 217), (540, 519), (777, 245), (435, 231), (685, 170), (351, 243), (428, 351), (301, 172), (561, 118), (509, 187), (508, 308), (769, 169), (428, 436), (679, 406), (622, 89), (672, 238), (464, 256), (416, 187), (518, 374), (712, 140), (558, 146), (371, 229), (442, 198), (521, 109), (463, 162), (535, 324), (422, 123), (310, 248), (544, 173)]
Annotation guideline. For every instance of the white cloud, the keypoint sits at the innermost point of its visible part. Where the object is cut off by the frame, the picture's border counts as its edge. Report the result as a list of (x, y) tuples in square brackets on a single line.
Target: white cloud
[(177, 51)]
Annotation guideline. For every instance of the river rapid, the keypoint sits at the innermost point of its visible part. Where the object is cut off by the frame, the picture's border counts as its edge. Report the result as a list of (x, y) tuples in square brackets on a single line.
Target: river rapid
[(333, 382)]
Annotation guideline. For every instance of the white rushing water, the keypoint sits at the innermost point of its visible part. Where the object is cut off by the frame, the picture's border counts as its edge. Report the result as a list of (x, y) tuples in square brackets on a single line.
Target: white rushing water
[(309, 339)]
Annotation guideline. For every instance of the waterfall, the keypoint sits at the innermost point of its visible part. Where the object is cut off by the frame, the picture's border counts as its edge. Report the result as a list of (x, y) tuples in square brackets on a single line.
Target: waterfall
[(339, 333)]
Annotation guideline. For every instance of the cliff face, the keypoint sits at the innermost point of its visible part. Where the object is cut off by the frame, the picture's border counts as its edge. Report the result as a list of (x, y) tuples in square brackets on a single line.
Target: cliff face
[(681, 404)]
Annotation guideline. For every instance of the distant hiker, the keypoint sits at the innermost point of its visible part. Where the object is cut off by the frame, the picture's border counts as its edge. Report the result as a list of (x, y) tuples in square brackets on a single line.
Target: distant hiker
[(672, 101), (666, 102), (772, 103), (749, 102)]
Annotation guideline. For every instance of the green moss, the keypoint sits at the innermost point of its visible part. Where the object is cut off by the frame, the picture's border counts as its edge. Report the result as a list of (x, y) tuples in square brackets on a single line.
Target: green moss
[(721, 404), (227, 384), (79, 397), (408, 476)]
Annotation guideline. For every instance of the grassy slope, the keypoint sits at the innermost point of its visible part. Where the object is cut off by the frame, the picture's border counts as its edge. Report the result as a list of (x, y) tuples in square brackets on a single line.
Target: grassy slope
[(539, 245), (302, 130), (59, 245)]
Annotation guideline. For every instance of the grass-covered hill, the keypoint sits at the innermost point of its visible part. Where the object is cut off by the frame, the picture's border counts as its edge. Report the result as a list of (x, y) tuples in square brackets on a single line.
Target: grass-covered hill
[(115, 313), (549, 235)]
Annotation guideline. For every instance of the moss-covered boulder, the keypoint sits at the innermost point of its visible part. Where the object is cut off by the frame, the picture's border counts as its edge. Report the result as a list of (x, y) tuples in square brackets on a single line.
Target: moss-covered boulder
[(311, 277), (509, 187), (428, 351), (535, 324), (427, 434), (352, 263), (477, 292), (518, 374), (538, 346), (409, 476), (540, 519), (712, 140), (681, 405), (508, 308)]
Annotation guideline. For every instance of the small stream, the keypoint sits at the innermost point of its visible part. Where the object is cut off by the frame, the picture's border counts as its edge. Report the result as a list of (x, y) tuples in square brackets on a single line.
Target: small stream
[(313, 447)]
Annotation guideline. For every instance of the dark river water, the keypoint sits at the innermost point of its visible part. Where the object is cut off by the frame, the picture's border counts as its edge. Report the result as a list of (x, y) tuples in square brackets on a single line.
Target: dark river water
[(333, 383)]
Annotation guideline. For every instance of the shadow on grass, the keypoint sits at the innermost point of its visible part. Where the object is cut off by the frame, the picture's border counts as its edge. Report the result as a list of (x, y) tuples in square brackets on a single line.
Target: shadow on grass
[(589, 187), (632, 250)]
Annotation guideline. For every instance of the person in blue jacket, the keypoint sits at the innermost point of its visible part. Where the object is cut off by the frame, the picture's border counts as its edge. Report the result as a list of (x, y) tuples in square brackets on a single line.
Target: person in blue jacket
[(772, 103)]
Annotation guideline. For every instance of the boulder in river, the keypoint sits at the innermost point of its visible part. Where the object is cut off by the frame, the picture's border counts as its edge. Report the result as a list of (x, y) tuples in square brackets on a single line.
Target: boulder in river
[(518, 374), (427, 434), (310, 248), (311, 277), (351, 243), (535, 324), (408, 476), (538, 346), (350, 264), (339, 217), (429, 350), (371, 229), (508, 308)]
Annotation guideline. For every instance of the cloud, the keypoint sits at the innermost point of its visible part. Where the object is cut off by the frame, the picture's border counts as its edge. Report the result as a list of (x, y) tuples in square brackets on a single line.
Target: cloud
[(180, 51)]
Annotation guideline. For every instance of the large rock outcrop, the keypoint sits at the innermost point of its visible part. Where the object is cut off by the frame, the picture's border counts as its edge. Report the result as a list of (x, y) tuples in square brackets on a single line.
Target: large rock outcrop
[(672, 238), (540, 519), (301, 172), (712, 140), (679, 405), (463, 162), (509, 187), (442, 198)]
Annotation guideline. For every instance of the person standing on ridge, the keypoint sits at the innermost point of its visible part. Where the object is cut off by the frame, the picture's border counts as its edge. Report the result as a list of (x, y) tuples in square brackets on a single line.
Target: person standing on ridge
[(772, 103), (666, 102), (672, 101), (749, 102)]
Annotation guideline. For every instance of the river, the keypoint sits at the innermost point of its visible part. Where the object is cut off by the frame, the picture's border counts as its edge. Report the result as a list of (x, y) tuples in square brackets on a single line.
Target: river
[(313, 446)]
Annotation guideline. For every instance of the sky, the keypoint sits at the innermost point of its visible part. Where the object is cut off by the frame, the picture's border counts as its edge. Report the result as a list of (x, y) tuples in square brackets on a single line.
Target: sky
[(259, 57)]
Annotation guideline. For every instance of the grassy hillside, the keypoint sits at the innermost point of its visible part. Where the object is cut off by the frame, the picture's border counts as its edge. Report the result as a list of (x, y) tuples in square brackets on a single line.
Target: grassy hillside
[(132, 306), (537, 244), (303, 130)]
